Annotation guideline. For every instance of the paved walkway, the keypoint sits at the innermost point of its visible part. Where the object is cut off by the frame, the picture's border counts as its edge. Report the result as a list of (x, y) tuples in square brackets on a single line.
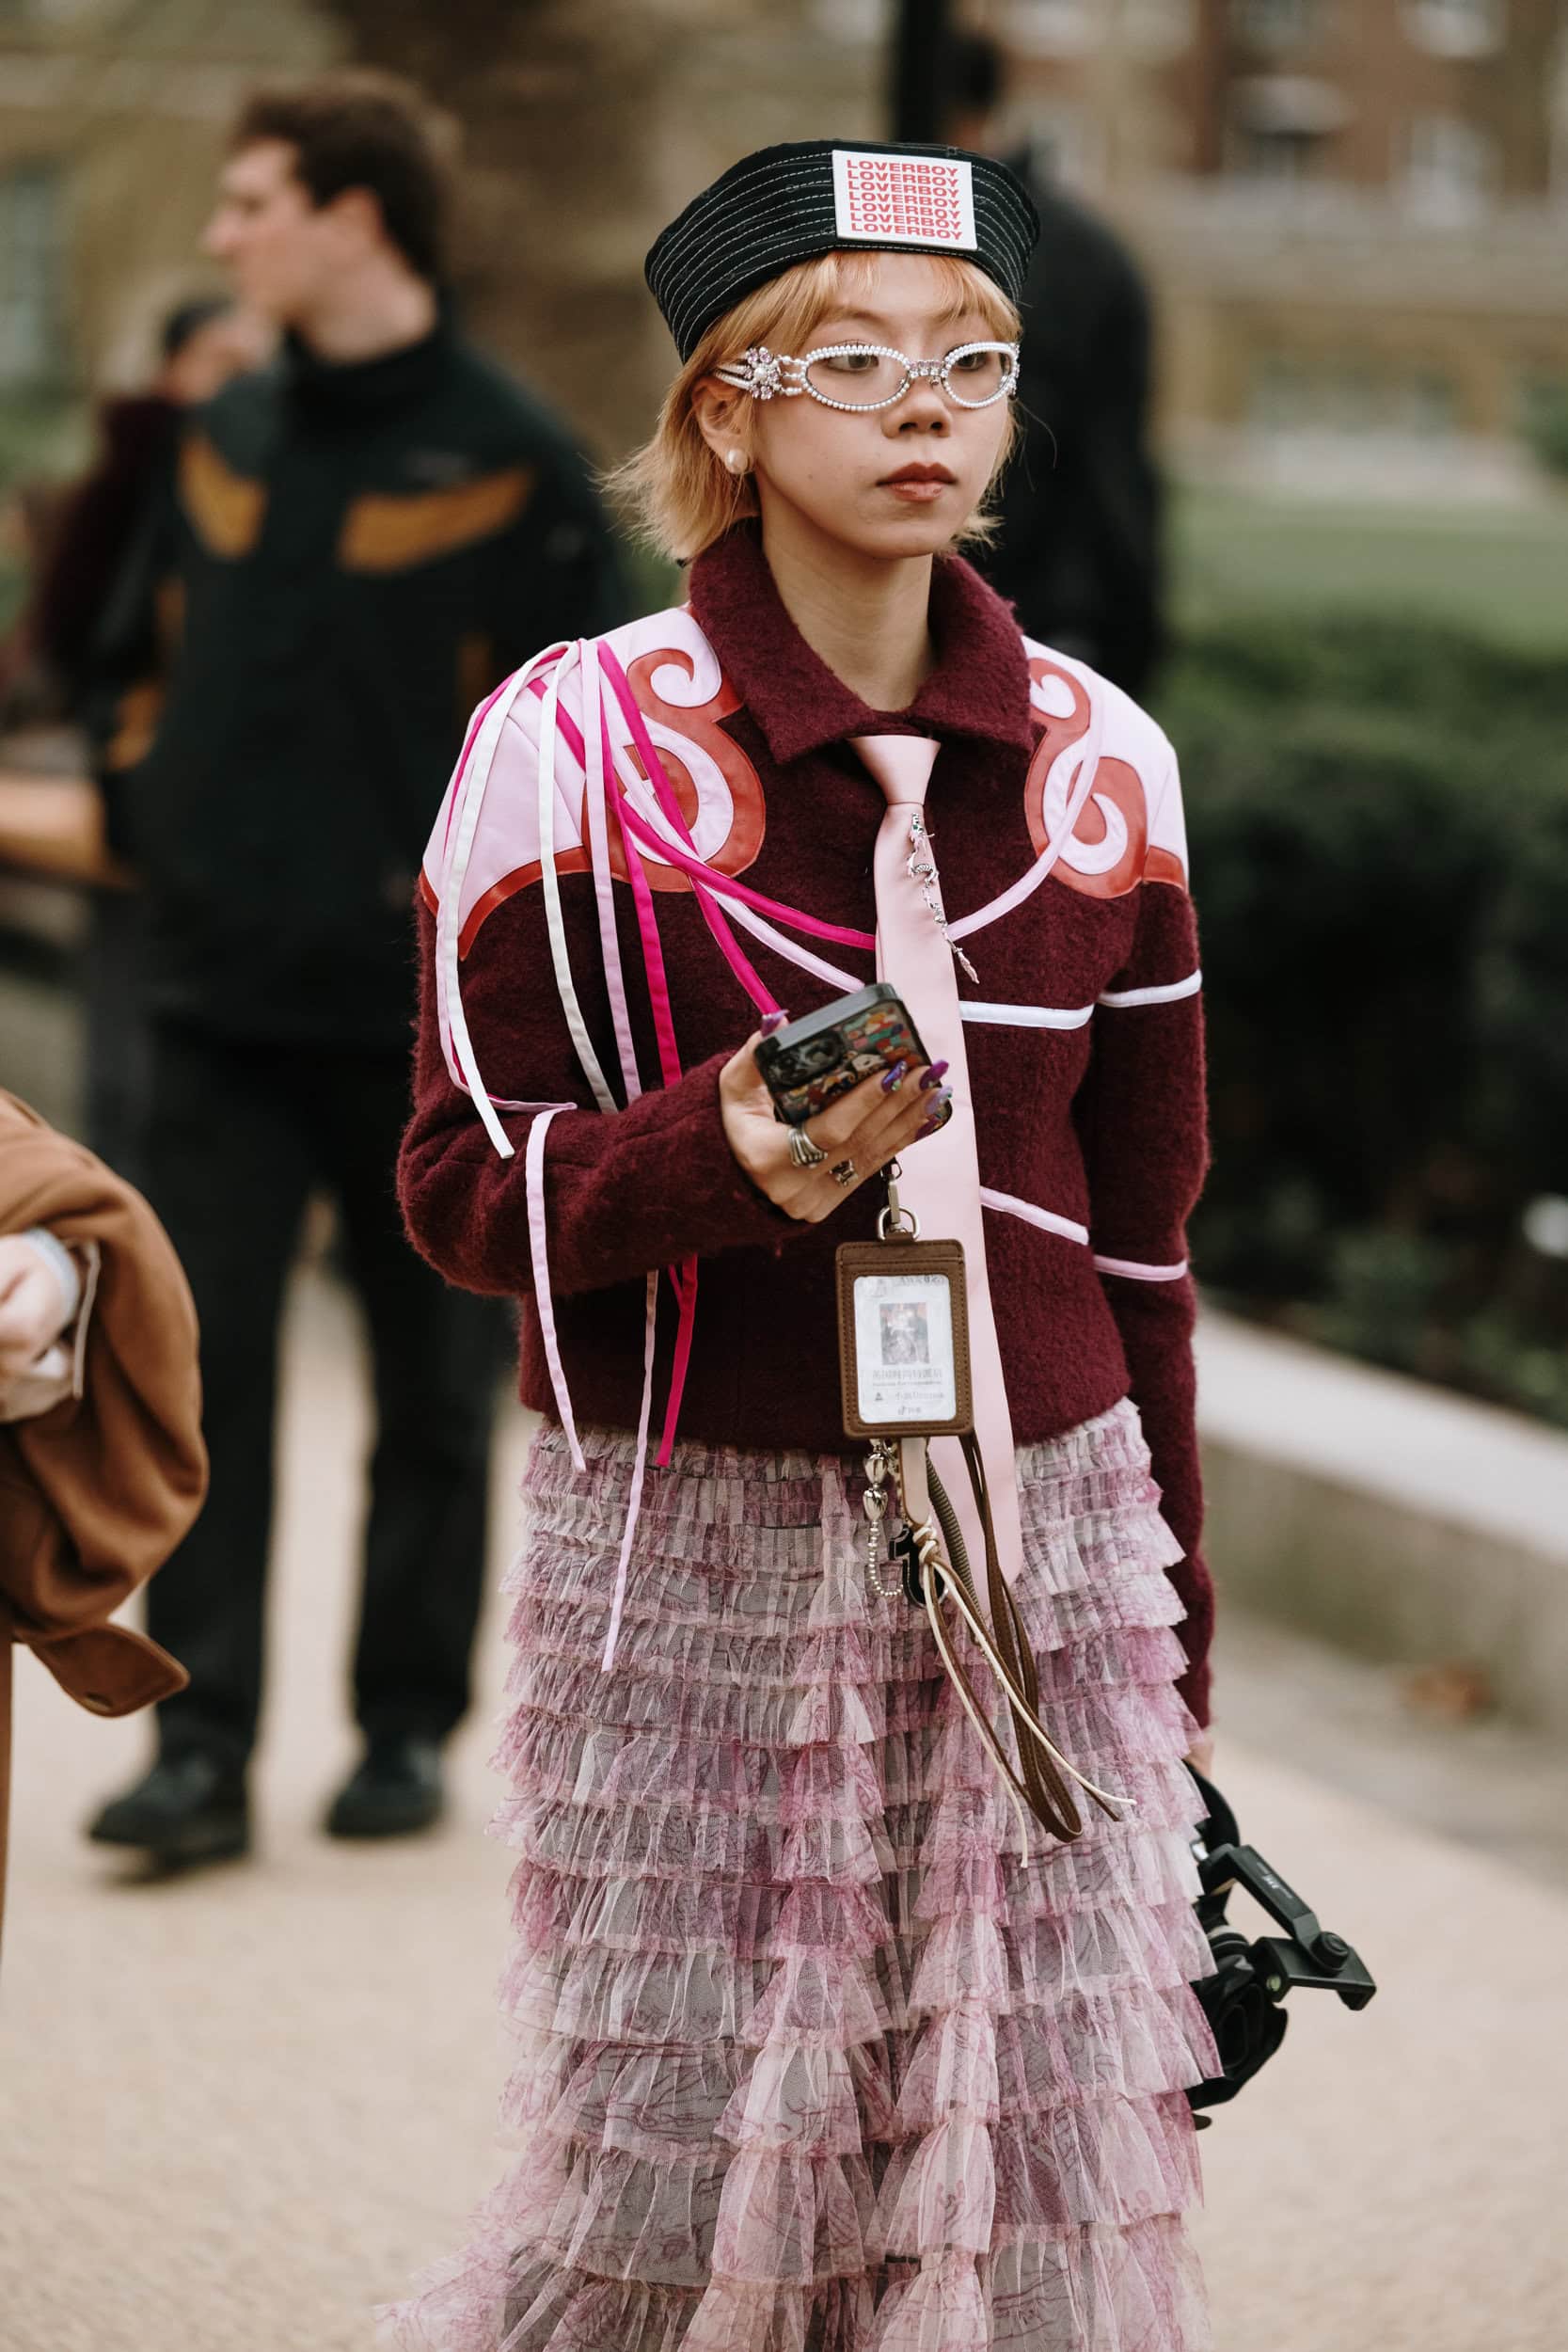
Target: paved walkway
[(237, 2111)]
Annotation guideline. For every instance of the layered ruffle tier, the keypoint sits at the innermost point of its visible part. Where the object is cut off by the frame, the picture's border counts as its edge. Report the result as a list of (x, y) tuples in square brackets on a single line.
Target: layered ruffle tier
[(811, 2058)]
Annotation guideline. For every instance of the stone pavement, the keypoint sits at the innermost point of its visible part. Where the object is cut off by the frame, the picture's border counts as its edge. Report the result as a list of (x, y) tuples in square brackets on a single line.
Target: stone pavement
[(237, 2111)]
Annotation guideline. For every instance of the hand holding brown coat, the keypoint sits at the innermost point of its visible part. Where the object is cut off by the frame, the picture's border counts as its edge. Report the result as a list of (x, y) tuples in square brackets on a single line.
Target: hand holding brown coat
[(96, 1492)]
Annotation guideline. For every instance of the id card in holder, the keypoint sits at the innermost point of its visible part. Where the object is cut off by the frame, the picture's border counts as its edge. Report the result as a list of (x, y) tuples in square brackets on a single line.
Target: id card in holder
[(903, 1338)]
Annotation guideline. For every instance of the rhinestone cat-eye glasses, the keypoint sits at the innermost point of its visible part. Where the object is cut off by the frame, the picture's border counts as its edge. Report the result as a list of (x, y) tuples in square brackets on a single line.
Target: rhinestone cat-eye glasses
[(874, 375)]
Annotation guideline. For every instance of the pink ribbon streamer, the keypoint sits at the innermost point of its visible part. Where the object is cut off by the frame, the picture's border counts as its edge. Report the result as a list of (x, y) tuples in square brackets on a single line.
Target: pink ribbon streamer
[(673, 854), (682, 1279), (640, 1464), (538, 1244), (664, 792), (604, 885)]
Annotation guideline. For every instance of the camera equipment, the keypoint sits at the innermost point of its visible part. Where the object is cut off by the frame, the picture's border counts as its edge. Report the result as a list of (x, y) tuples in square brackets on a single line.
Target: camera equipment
[(1244, 1997)]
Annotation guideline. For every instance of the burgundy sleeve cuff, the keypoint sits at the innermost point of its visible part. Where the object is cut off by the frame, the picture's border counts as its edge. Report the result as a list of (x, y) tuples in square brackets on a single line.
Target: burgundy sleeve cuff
[(1155, 1321), (649, 1186), (625, 1192)]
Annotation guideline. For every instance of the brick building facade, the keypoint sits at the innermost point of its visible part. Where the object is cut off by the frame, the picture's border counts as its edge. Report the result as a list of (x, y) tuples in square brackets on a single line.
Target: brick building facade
[(1354, 211)]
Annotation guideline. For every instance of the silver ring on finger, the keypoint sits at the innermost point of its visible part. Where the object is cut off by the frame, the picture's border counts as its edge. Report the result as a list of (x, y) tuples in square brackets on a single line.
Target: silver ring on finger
[(843, 1172), (803, 1152)]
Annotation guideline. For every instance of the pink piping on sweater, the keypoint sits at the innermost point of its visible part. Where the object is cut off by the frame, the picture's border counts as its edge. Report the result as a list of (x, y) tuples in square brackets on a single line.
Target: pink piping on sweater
[(1132, 1270)]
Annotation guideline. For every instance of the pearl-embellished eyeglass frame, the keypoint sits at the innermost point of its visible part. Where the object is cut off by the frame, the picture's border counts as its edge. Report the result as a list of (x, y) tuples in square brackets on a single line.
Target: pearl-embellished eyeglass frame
[(773, 374)]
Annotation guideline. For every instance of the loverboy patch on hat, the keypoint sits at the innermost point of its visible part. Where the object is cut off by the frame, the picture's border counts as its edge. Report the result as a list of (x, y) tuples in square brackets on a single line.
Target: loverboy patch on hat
[(903, 200), (792, 203)]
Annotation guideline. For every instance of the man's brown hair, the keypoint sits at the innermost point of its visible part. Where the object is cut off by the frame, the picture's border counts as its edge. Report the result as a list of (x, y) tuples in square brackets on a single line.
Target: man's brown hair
[(363, 130)]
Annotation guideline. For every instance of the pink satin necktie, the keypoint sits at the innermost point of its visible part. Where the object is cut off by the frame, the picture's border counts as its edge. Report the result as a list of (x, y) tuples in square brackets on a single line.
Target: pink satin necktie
[(940, 1179)]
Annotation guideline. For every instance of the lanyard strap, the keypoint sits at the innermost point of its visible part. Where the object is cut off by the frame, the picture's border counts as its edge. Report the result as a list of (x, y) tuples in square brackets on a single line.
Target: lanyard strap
[(1037, 1786)]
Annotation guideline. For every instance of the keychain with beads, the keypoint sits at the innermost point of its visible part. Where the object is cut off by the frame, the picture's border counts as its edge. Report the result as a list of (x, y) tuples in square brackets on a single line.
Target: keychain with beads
[(879, 1478)]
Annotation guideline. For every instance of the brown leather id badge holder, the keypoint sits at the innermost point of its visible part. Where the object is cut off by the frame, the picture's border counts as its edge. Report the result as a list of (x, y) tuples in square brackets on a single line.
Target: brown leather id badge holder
[(903, 1337)]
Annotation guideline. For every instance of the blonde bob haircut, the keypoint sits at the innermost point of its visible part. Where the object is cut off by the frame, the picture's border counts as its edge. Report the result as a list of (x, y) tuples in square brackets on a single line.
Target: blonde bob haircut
[(677, 494)]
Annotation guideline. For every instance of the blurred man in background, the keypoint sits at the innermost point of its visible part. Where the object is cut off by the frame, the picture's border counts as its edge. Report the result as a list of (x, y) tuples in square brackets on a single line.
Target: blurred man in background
[(202, 344), (1079, 550), (361, 542)]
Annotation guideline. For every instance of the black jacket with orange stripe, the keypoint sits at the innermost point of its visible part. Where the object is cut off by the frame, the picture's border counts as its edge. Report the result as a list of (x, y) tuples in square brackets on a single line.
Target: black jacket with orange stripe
[(349, 555)]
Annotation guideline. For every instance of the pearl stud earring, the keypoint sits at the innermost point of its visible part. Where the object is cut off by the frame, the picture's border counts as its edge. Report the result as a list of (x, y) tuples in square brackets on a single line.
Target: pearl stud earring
[(736, 460)]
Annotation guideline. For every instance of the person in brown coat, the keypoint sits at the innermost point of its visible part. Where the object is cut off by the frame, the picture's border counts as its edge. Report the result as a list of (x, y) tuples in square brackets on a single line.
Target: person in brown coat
[(102, 1463)]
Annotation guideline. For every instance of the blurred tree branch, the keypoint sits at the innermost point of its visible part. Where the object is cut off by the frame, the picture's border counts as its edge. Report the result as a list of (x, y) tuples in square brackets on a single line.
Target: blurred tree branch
[(444, 48)]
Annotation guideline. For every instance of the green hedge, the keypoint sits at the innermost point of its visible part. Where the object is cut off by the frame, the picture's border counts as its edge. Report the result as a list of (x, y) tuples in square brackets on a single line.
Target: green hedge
[(1379, 821)]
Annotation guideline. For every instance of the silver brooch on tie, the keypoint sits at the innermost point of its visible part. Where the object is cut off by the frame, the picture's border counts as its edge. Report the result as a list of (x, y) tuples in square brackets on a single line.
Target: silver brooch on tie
[(922, 867)]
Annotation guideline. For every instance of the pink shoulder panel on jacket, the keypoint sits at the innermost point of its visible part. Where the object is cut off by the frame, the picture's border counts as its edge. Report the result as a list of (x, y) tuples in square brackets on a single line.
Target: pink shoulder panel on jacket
[(682, 695), (1132, 829)]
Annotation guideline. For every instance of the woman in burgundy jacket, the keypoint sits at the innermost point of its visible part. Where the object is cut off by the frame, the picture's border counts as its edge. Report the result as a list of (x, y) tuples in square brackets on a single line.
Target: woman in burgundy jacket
[(825, 2045)]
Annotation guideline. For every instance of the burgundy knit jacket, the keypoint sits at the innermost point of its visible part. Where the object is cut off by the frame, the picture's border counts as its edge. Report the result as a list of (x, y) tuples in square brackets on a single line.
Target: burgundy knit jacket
[(1086, 1061)]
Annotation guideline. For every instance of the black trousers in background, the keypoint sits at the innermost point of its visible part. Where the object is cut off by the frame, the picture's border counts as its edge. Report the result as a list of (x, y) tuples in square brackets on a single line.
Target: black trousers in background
[(118, 1043), (238, 1136)]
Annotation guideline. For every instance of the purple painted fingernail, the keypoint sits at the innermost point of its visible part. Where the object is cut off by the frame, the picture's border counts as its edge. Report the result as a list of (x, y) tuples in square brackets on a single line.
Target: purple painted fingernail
[(894, 1077), (772, 1021), (933, 1077)]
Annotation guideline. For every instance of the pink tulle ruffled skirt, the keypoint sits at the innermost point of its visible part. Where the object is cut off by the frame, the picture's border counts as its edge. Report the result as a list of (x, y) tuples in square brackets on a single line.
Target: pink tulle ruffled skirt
[(809, 2058)]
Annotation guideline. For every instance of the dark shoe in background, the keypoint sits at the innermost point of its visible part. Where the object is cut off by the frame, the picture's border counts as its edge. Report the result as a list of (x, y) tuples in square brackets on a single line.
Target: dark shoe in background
[(395, 1789), (191, 1807)]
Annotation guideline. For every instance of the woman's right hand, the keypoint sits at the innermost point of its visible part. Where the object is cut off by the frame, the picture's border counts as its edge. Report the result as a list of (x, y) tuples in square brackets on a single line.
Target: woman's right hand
[(33, 1310), (868, 1126)]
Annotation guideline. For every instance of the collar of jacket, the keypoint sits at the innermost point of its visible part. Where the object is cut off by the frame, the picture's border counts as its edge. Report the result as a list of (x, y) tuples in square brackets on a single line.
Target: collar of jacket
[(978, 687), (350, 387)]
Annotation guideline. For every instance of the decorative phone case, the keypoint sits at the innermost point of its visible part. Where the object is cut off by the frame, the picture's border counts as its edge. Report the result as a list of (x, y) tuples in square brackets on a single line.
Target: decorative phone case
[(871, 1040)]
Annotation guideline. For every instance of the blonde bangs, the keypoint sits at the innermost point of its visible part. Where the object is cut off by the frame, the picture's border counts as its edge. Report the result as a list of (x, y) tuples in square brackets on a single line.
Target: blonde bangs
[(678, 495), (790, 308)]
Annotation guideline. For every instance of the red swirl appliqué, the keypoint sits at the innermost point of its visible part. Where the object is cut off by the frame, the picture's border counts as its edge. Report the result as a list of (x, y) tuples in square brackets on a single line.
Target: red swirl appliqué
[(717, 789), (698, 724), (1108, 851)]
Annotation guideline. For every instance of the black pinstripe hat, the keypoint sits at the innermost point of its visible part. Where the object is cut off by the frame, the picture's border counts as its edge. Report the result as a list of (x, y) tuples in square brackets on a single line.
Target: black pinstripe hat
[(788, 204)]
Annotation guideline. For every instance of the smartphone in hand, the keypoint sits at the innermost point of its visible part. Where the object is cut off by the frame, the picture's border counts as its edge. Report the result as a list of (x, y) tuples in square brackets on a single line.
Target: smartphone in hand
[(810, 1062)]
